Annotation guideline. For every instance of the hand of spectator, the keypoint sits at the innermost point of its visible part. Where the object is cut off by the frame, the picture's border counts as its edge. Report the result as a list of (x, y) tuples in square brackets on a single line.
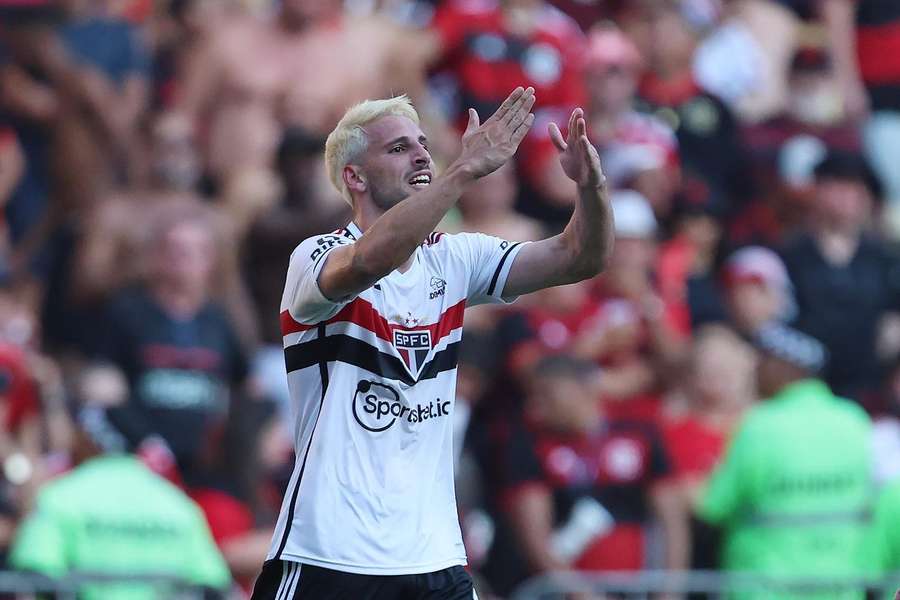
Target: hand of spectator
[(578, 157), (486, 147)]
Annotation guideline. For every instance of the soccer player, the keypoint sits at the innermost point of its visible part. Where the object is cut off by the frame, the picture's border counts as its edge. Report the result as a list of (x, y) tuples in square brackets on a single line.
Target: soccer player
[(372, 319)]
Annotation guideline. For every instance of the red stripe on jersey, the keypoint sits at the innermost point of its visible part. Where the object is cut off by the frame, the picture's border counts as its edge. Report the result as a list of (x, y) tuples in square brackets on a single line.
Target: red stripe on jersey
[(361, 312)]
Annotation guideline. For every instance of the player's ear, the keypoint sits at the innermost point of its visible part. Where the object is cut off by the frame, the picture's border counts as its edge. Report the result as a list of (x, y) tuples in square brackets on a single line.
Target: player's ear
[(354, 178)]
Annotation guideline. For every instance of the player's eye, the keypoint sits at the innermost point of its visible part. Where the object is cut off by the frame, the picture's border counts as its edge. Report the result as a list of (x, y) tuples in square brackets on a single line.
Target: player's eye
[(398, 148)]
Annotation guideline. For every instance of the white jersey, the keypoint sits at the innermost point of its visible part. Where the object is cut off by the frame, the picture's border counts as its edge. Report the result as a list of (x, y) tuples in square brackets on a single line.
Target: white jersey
[(373, 383)]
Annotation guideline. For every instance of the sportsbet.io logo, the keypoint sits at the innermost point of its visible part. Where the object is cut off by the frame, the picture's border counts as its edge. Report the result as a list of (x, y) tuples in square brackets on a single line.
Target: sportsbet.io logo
[(376, 407)]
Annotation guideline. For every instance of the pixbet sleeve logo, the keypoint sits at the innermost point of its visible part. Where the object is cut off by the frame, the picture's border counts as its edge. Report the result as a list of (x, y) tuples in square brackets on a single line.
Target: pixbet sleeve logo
[(376, 407)]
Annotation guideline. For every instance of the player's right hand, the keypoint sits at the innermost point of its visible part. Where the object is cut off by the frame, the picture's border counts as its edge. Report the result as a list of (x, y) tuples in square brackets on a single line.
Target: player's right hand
[(486, 147)]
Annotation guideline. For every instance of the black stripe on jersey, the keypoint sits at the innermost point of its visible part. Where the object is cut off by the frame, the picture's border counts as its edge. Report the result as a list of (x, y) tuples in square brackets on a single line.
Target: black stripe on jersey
[(323, 374), (500, 268), (346, 349)]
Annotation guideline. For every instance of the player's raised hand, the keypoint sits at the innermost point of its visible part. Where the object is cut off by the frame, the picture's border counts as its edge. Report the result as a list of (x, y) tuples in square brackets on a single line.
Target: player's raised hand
[(580, 160), (486, 147)]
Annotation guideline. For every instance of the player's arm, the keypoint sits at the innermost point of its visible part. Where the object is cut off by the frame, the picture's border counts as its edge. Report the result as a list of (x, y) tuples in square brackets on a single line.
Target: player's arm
[(582, 250), (394, 236)]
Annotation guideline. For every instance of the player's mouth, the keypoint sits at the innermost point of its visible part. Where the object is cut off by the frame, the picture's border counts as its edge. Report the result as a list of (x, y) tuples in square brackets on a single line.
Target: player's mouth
[(420, 180)]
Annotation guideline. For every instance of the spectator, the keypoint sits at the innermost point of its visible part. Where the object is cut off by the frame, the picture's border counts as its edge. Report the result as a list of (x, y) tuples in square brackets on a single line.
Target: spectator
[(583, 487), (757, 289), (112, 514), (634, 335), (865, 43), (719, 387), (707, 132), (175, 347), (482, 49), (844, 277), (793, 489), (487, 206), (638, 150), (252, 77)]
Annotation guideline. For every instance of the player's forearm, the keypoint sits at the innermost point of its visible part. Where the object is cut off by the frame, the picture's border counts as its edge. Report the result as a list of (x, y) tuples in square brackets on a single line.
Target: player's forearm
[(589, 234), (394, 236)]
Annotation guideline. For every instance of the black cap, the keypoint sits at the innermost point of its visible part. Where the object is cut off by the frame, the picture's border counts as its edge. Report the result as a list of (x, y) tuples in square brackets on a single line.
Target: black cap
[(849, 166), (792, 346)]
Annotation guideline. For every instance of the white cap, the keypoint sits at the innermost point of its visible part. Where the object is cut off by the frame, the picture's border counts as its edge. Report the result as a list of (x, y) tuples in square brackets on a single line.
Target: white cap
[(633, 214)]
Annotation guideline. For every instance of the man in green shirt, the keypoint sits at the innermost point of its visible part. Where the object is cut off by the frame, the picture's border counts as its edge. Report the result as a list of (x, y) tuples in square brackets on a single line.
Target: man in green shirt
[(793, 490), (113, 515)]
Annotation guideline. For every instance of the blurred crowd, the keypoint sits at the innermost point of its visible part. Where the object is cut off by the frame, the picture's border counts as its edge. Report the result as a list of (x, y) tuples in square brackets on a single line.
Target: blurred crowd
[(160, 159)]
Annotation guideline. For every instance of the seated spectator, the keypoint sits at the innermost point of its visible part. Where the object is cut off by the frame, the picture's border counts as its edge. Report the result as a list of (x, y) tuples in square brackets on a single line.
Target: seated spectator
[(793, 490), (845, 278), (583, 487), (757, 289), (111, 514), (175, 346), (637, 150)]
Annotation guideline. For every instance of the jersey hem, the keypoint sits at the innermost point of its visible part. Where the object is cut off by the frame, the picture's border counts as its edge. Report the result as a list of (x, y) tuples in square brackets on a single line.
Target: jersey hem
[(372, 570)]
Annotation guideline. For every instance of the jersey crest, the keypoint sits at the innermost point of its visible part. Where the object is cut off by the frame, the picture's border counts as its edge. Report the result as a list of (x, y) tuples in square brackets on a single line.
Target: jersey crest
[(413, 347)]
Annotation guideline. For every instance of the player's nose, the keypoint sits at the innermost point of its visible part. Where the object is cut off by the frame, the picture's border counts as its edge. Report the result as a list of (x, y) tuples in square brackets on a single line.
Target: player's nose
[(421, 157)]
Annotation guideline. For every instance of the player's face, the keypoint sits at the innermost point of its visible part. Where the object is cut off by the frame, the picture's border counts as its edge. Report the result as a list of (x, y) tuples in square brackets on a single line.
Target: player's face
[(397, 162)]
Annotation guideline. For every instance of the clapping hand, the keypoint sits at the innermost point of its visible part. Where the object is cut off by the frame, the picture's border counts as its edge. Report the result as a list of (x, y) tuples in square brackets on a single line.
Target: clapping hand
[(578, 157), (486, 147)]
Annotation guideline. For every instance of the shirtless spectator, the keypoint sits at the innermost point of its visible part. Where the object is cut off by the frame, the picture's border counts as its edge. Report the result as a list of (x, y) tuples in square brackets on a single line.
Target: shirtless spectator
[(74, 92), (255, 76), (638, 150)]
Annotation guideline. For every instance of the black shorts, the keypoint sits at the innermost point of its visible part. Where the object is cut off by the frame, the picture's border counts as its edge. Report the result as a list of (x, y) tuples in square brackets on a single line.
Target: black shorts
[(286, 580)]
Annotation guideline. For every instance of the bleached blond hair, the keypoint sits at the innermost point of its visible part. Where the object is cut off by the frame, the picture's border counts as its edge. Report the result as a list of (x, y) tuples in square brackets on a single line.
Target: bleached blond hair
[(349, 139)]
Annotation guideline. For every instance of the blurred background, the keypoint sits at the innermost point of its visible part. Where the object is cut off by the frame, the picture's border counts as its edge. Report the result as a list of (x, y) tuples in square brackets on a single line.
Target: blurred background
[(160, 159)]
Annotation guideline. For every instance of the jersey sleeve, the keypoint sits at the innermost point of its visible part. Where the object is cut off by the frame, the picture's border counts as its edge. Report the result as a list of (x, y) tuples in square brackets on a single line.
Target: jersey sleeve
[(487, 261), (302, 297)]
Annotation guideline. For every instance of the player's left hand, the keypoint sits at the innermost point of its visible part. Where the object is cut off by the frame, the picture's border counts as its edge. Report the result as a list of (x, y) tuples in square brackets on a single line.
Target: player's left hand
[(577, 155)]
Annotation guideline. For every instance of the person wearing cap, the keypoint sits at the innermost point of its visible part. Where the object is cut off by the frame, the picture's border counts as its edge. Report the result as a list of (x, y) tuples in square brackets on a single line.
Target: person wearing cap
[(757, 288), (635, 335), (793, 490), (638, 150), (844, 277)]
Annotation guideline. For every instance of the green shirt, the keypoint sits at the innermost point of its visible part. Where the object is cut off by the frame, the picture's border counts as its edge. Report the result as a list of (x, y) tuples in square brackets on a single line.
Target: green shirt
[(794, 487), (886, 535), (113, 515)]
